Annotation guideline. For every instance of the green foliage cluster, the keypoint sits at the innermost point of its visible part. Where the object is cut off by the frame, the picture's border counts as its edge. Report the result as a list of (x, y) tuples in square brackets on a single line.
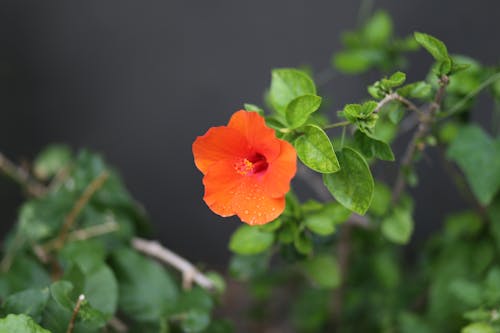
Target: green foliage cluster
[(76, 239), (332, 263)]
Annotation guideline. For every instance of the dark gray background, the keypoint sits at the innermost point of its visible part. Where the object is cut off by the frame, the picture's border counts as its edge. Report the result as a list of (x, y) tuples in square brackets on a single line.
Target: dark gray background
[(139, 80)]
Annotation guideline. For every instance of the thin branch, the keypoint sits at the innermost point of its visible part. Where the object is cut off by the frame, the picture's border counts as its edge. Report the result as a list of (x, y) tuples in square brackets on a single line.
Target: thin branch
[(396, 97), (189, 272), (117, 325), (334, 125), (70, 219), (21, 176), (426, 121), (71, 324), (94, 231)]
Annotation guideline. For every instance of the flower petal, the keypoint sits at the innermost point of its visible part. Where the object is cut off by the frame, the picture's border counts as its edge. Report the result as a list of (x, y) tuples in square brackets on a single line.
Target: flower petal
[(228, 193), (217, 144), (280, 172), (260, 137)]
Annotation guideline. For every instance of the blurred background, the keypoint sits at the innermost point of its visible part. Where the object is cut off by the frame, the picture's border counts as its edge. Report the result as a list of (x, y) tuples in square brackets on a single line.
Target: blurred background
[(139, 80)]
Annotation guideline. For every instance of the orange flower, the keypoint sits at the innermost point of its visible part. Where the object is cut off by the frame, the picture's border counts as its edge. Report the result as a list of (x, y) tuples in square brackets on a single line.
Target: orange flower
[(247, 170)]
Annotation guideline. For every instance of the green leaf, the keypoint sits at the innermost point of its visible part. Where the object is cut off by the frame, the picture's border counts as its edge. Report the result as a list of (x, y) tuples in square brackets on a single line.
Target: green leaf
[(371, 147), (320, 224), (353, 185), (24, 273), (316, 151), (30, 302), (20, 324), (303, 243), (244, 267), (194, 307), (420, 90), (51, 160), (250, 240), (357, 61), (395, 80), (478, 155), (478, 327), (253, 107), (437, 49), (147, 292), (398, 226), (195, 321), (378, 29), (288, 84), (299, 110), (433, 45), (310, 310), (323, 271), (381, 199)]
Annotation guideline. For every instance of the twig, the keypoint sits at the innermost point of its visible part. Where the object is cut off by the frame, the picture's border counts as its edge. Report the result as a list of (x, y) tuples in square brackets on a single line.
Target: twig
[(94, 231), (71, 324), (70, 219), (396, 97), (21, 176), (426, 121), (117, 325), (189, 272)]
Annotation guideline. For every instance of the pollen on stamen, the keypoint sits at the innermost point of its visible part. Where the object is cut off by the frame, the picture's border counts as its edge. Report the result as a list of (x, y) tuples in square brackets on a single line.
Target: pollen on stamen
[(243, 167)]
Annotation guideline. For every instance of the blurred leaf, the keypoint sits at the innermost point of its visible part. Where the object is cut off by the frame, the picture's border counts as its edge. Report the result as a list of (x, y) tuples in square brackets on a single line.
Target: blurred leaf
[(381, 199), (299, 109), (24, 273), (303, 243), (395, 80), (378, 29), (20, 324), (310, 310), (353, 185), (147, 292), (30, 302), (466, 292), (419, 90), (244, 267), (250, 240), (357, 60), (323, 271), (462, 225), (398, 226), (195, 321), (51, 160), (288, 84), (437, 49), (478, 155), (320, 224), (316, 151), (478, 328)]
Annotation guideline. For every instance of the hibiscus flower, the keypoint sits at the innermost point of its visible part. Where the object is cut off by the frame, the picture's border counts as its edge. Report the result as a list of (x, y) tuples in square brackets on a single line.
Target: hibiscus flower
[(247, 170)]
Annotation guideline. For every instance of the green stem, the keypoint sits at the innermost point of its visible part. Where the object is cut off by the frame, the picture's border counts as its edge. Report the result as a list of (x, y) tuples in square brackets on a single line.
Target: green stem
[(339, 124), (456, 108), (342, 138)]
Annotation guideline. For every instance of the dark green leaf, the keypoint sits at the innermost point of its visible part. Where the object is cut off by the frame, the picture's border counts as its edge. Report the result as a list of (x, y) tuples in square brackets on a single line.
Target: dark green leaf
[(30, 302), (478, 155), (250, 240), (371, 147), (353, 185), (147, 292), (288, 84), (310, 310), (316, 151), (246, 267), (299, 109), (20, 324), (322, 270)]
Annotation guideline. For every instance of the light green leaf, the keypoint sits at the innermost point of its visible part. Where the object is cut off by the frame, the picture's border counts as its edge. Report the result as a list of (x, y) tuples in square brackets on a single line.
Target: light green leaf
[(250, 240), (398, 226), (394, 80), (20, 324), (371, 147), (253, 107), (51, 160), (433, 45), (420, 90), (381, 199), (478, 155), (299, 110), (353, 185), (479, 327), (320, 224), (303, 243), (288, 84), (323, 271), (378, 29), (357, 61), (316, 151)]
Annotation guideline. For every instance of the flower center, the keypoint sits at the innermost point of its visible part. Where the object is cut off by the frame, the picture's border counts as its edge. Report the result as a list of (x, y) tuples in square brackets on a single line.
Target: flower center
[(252, 165)]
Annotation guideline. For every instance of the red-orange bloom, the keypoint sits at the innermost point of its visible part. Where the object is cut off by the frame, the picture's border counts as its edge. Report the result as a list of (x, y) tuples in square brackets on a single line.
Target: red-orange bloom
[(247, 170)]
